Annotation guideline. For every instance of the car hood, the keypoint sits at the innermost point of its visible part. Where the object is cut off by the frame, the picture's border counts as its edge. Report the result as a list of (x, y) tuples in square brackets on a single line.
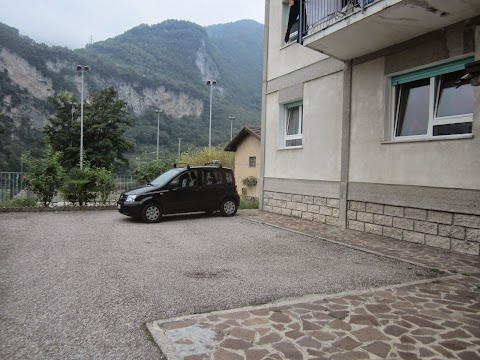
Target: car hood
[(141, 190)]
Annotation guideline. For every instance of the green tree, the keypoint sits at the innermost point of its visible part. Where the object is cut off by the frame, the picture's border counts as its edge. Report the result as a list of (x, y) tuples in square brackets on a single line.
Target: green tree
[(64, 129), (105, 122), (44, 176)]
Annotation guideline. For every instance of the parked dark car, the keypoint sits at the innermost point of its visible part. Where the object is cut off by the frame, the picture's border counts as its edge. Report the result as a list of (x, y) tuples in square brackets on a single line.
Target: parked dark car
[(181, 190)]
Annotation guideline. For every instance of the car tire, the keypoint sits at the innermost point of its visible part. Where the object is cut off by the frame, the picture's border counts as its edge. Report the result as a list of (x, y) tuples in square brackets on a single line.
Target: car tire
[(151, 213), (229, 207)]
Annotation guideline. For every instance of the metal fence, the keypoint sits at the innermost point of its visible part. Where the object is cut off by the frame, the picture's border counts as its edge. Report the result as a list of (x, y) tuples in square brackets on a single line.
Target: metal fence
[(319, 14), (12, 186)]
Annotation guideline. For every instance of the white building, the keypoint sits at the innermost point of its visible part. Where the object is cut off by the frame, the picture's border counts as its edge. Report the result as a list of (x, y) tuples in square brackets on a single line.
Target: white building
[(362, 124)]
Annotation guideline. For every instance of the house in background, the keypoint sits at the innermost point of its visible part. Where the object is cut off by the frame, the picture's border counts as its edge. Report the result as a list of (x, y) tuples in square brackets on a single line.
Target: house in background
[(363, 126), (246, 145)]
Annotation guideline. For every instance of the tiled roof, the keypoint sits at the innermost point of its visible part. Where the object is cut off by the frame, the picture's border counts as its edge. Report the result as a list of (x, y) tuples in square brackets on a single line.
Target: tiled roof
[(244, 132)]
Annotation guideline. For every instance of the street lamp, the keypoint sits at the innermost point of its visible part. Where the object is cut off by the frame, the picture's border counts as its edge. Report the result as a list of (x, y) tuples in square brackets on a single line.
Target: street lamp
[(158, 128), (210, 83), (231, 118), (179, 142), (82, 69)]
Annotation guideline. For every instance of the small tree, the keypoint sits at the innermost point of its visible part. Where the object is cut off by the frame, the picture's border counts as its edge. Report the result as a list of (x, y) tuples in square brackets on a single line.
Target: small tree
[(44, 176)]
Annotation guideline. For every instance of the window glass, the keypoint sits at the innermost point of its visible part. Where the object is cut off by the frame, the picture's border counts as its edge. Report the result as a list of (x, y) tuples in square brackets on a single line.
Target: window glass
[(452, 129), (293, 126), (452, 100), (252, 161), (229, 177), (413, 108), (187, 179), (212, 177), (293, 121)]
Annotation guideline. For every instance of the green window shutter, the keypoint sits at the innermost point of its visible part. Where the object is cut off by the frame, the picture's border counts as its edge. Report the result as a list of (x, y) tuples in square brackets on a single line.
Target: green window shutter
[(432, 71), (294, 104)]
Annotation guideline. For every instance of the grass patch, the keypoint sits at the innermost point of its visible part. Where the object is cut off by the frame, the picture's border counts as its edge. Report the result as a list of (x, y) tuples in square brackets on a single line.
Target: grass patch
[(248, 204)]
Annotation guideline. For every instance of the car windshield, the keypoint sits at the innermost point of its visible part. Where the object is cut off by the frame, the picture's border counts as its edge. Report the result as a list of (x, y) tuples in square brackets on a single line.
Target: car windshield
[(166, 177)]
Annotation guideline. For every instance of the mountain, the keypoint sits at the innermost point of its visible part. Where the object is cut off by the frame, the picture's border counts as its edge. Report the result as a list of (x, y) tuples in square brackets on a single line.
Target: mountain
[(163, 66)]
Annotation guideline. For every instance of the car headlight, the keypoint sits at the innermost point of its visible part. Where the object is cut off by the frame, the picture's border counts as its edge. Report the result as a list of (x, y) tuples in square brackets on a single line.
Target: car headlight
[(131, 198)]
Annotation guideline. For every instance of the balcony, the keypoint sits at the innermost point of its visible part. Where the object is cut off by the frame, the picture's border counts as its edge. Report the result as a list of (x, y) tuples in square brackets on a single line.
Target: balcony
[(347, 29)]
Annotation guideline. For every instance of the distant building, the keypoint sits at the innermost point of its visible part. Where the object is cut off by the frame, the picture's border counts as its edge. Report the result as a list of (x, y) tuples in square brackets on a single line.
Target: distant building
[(363, 125), (246, 145)]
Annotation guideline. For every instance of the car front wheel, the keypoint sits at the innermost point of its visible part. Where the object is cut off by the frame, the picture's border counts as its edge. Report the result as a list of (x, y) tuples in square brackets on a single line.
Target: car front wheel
[(228, 208), (151, 213)]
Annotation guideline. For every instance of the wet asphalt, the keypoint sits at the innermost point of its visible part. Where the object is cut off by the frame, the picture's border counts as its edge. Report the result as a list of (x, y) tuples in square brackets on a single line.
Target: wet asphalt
[(83, 284)]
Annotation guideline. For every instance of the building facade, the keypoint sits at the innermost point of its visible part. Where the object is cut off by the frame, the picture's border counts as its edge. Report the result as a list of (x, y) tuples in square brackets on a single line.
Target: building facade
[(364, 124), (246, 145)]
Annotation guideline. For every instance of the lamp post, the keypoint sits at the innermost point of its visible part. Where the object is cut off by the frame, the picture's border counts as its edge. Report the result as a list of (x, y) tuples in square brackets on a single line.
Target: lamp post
[(231, 118), (210, 83), (179, 141), (158, 128), (82, 69)]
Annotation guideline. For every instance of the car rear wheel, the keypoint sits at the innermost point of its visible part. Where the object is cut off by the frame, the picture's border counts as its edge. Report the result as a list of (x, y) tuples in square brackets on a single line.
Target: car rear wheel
[(228, 207), (151, 213)]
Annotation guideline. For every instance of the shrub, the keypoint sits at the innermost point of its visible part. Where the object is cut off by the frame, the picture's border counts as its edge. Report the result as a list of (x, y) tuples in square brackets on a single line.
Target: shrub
[(207, 155), (104, 184), (44, 176), (20, 203), (79, 186), (146, 172)]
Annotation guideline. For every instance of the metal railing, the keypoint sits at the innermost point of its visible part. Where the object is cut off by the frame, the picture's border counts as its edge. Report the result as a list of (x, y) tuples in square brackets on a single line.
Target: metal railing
[(12, 186), (320, 14)]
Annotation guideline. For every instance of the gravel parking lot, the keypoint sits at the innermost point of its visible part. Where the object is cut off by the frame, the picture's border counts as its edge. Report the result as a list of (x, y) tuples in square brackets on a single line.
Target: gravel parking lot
[(83, 284)]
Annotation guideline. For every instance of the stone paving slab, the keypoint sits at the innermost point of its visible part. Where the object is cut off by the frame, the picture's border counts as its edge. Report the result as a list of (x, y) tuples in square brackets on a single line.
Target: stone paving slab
[(433, 319)]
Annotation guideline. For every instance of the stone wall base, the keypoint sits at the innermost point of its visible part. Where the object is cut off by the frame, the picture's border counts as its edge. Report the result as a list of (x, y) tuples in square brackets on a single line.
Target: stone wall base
[(445, 230)]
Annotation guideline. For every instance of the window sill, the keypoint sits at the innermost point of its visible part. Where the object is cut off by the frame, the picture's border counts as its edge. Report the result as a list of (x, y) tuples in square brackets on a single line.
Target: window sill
[(425, 139), (291, 148)]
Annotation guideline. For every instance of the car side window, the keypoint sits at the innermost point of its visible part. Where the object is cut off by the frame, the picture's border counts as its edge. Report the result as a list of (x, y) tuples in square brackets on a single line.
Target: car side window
[(185, 180), (229, 177), (212, 177)]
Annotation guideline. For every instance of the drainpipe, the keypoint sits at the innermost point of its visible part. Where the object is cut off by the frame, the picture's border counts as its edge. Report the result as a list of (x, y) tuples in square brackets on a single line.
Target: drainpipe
[(264, 103), (345, 153)]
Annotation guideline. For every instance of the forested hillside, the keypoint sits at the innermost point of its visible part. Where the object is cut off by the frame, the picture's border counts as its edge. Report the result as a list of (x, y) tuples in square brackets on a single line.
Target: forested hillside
[(158, 67)]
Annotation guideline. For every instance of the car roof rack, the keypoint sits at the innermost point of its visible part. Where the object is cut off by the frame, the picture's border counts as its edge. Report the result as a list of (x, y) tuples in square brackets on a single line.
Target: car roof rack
[(185, 165), (214, 163)]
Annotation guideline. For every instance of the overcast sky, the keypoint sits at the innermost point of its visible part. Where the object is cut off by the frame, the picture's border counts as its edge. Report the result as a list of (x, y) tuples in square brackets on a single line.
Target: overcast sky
[(72, 24)]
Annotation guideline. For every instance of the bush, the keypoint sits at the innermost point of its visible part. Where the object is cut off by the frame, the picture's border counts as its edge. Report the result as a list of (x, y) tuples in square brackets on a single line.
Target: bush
[(146, 172), (79, 186), (20, 203), (44, 176), (104, 184), (208, 155)]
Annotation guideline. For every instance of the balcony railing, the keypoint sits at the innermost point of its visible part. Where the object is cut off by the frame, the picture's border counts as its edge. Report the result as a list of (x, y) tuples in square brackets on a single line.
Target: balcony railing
[(320, 14)]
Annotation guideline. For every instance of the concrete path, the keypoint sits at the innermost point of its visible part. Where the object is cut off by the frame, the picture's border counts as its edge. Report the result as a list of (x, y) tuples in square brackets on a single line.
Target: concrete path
[(429, 319)]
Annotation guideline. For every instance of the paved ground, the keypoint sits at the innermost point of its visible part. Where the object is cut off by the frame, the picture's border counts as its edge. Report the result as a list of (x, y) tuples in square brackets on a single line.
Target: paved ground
[(83, 284), (433, 319)]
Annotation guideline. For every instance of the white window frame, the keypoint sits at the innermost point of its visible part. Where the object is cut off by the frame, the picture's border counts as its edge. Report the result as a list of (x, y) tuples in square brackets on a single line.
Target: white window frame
[(433, 120), (285, 123)]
